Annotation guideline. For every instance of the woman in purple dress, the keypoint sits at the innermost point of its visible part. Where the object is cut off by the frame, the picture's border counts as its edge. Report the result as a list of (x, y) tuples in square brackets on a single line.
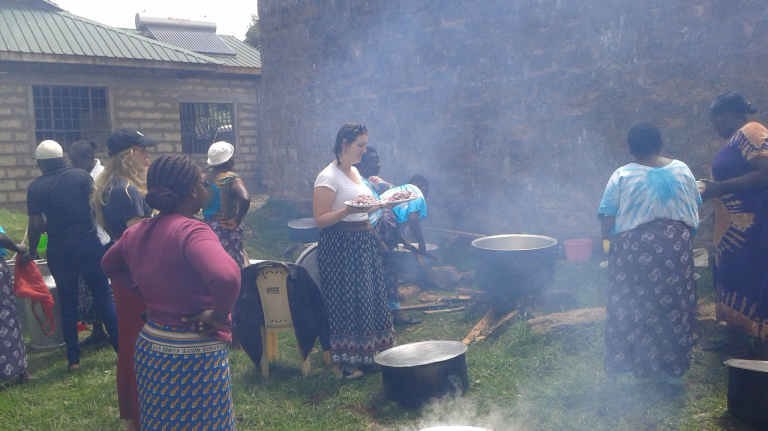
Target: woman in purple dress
[(739, 188)]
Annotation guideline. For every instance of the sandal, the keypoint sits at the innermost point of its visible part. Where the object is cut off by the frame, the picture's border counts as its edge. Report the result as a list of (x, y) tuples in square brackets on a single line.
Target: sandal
[(347, 372), (409, 321), (73, 367)]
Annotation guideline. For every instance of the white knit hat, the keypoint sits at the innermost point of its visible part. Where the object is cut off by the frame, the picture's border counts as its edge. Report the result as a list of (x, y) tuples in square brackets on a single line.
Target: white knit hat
[(48, 149), (219, 153)]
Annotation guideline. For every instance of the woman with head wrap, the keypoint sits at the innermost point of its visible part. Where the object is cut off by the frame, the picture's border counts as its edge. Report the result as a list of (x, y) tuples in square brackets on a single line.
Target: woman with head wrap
[(228, 201), (190, 284), (739, 188), (649, 212)]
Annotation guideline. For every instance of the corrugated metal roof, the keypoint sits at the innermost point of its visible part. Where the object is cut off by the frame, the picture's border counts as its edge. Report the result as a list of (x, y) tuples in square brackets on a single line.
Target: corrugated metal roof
[(193, 39), (40, 29), (247, 56)]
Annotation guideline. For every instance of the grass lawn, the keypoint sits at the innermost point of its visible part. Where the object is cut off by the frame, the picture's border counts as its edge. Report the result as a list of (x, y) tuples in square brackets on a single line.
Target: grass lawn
[(520, 381)]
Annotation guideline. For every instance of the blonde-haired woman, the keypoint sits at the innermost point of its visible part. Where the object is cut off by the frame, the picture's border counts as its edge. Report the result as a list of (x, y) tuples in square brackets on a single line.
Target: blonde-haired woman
[(119, 204)]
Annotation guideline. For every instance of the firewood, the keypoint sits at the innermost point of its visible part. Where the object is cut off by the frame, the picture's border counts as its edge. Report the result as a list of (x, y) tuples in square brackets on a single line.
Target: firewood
[(426, 297), (427, 306), (446, 310), (465, 291), (482, 324), (503, 320)]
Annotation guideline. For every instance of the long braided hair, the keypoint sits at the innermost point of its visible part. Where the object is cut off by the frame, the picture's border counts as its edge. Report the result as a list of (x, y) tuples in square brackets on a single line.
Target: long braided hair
[(170, 179)]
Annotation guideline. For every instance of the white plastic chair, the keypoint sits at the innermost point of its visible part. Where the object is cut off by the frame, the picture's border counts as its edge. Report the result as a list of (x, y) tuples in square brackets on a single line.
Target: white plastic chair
[(273, 289)]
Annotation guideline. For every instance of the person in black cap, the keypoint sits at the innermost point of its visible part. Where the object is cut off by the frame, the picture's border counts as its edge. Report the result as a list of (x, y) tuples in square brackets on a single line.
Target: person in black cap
[(739, 188), (57, 202), (119, 204)]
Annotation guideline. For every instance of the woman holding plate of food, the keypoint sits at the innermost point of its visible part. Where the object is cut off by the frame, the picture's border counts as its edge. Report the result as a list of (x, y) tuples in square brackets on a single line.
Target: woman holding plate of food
[(353, 284)]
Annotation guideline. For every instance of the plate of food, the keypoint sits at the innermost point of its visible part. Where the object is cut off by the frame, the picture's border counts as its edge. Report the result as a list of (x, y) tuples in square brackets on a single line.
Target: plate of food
[(363, 201), (401, 197)]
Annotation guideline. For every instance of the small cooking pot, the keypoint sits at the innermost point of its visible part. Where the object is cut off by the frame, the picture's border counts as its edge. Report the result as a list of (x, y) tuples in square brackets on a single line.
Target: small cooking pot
[(414, 373), (747, 391), (303, 230)]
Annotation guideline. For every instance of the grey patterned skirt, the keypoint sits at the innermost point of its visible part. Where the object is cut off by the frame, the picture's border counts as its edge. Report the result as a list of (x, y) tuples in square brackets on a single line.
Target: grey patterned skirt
[(353, 285), (13, 354), (651, 302)]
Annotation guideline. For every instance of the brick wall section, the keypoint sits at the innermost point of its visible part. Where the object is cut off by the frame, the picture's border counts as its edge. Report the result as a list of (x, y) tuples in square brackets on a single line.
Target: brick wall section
[(142, 99), (517, 110)]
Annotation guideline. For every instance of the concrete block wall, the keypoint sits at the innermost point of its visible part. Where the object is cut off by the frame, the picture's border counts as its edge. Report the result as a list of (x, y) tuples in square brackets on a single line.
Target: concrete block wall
[(17, 165), (516, 110), (145, 100)]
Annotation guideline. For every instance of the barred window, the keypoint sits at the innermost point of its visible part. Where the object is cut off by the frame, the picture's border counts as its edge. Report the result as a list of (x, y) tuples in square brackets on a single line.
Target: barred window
[(205, 123), (67, 114)]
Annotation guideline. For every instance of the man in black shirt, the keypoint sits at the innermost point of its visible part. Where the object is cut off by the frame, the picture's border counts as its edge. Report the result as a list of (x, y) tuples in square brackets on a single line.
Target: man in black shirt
[(58, 202)]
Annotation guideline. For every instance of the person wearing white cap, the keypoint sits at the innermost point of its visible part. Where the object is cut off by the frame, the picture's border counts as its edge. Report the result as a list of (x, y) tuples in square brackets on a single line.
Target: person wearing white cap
[(228, 201), (58, 202)]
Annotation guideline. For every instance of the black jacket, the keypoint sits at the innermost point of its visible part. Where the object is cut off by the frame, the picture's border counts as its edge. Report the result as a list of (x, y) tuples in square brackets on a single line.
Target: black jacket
[(304, 299)]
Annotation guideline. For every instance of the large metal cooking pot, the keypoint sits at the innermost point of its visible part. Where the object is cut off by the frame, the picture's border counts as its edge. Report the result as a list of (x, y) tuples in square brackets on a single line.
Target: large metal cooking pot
[(303, 230), (29, 325), (308, 259), (747, 385), (454, 428), (415, 373), (515, 265), (408, 266)]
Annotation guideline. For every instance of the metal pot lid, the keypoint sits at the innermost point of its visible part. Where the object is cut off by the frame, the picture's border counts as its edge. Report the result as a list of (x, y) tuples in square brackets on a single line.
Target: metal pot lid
[(514, 242), (454, 428), (421, 353), (746, 364), (302, 223)]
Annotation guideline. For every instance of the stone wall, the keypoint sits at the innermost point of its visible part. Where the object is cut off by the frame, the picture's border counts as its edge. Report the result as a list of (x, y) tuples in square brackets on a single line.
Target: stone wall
[(517, 110), (146, 100)]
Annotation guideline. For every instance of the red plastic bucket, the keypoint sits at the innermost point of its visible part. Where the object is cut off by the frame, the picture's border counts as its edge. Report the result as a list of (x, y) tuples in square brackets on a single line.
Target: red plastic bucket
[(578, 249)]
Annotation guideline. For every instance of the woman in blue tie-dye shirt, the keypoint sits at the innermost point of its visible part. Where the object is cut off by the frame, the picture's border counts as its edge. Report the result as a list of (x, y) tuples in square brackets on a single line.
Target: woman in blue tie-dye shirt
[(649, 212)]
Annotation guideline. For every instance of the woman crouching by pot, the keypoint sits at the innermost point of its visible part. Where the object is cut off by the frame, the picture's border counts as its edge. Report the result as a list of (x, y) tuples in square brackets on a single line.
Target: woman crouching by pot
[(353, 284), (650, 213), (189, 284)]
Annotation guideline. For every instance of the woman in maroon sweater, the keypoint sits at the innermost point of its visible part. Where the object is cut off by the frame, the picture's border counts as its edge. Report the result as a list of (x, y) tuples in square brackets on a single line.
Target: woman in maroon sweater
[(189, 284)]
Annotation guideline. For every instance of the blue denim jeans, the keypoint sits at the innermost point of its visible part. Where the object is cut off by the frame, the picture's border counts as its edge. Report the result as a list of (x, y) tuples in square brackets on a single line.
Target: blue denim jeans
[(67, 263)]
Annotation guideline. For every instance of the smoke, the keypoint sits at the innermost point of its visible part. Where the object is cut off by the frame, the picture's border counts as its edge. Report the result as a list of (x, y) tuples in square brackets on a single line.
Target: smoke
[(456, 411)]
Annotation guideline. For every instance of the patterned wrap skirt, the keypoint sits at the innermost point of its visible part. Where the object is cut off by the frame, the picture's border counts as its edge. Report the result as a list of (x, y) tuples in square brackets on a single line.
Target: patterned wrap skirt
[(231, 240), (651, 302), (183, 380), (353, 285), (13, 354)]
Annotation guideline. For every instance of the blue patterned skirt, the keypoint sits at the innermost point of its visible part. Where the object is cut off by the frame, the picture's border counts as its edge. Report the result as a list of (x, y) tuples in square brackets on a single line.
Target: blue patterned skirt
[(183, 381), (651, 302), (353, 285)]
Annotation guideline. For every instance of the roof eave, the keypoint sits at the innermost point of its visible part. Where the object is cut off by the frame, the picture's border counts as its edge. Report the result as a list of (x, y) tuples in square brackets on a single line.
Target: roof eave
[(240, 70), (105, 61)]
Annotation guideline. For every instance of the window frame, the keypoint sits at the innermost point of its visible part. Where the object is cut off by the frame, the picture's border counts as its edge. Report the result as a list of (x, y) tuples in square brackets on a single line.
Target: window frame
[(49, 101), (202, 148)]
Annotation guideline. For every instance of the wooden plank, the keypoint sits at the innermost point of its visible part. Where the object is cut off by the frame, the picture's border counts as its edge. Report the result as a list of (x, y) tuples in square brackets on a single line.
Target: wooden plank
[(447, 310), (427, 306), (482, 324)]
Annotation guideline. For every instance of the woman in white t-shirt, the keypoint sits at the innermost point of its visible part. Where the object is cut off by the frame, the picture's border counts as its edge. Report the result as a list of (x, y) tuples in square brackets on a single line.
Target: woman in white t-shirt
[(353, 284)]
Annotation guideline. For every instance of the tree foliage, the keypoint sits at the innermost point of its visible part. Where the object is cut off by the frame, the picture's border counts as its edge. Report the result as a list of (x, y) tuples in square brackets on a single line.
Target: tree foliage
[(252, 36)]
